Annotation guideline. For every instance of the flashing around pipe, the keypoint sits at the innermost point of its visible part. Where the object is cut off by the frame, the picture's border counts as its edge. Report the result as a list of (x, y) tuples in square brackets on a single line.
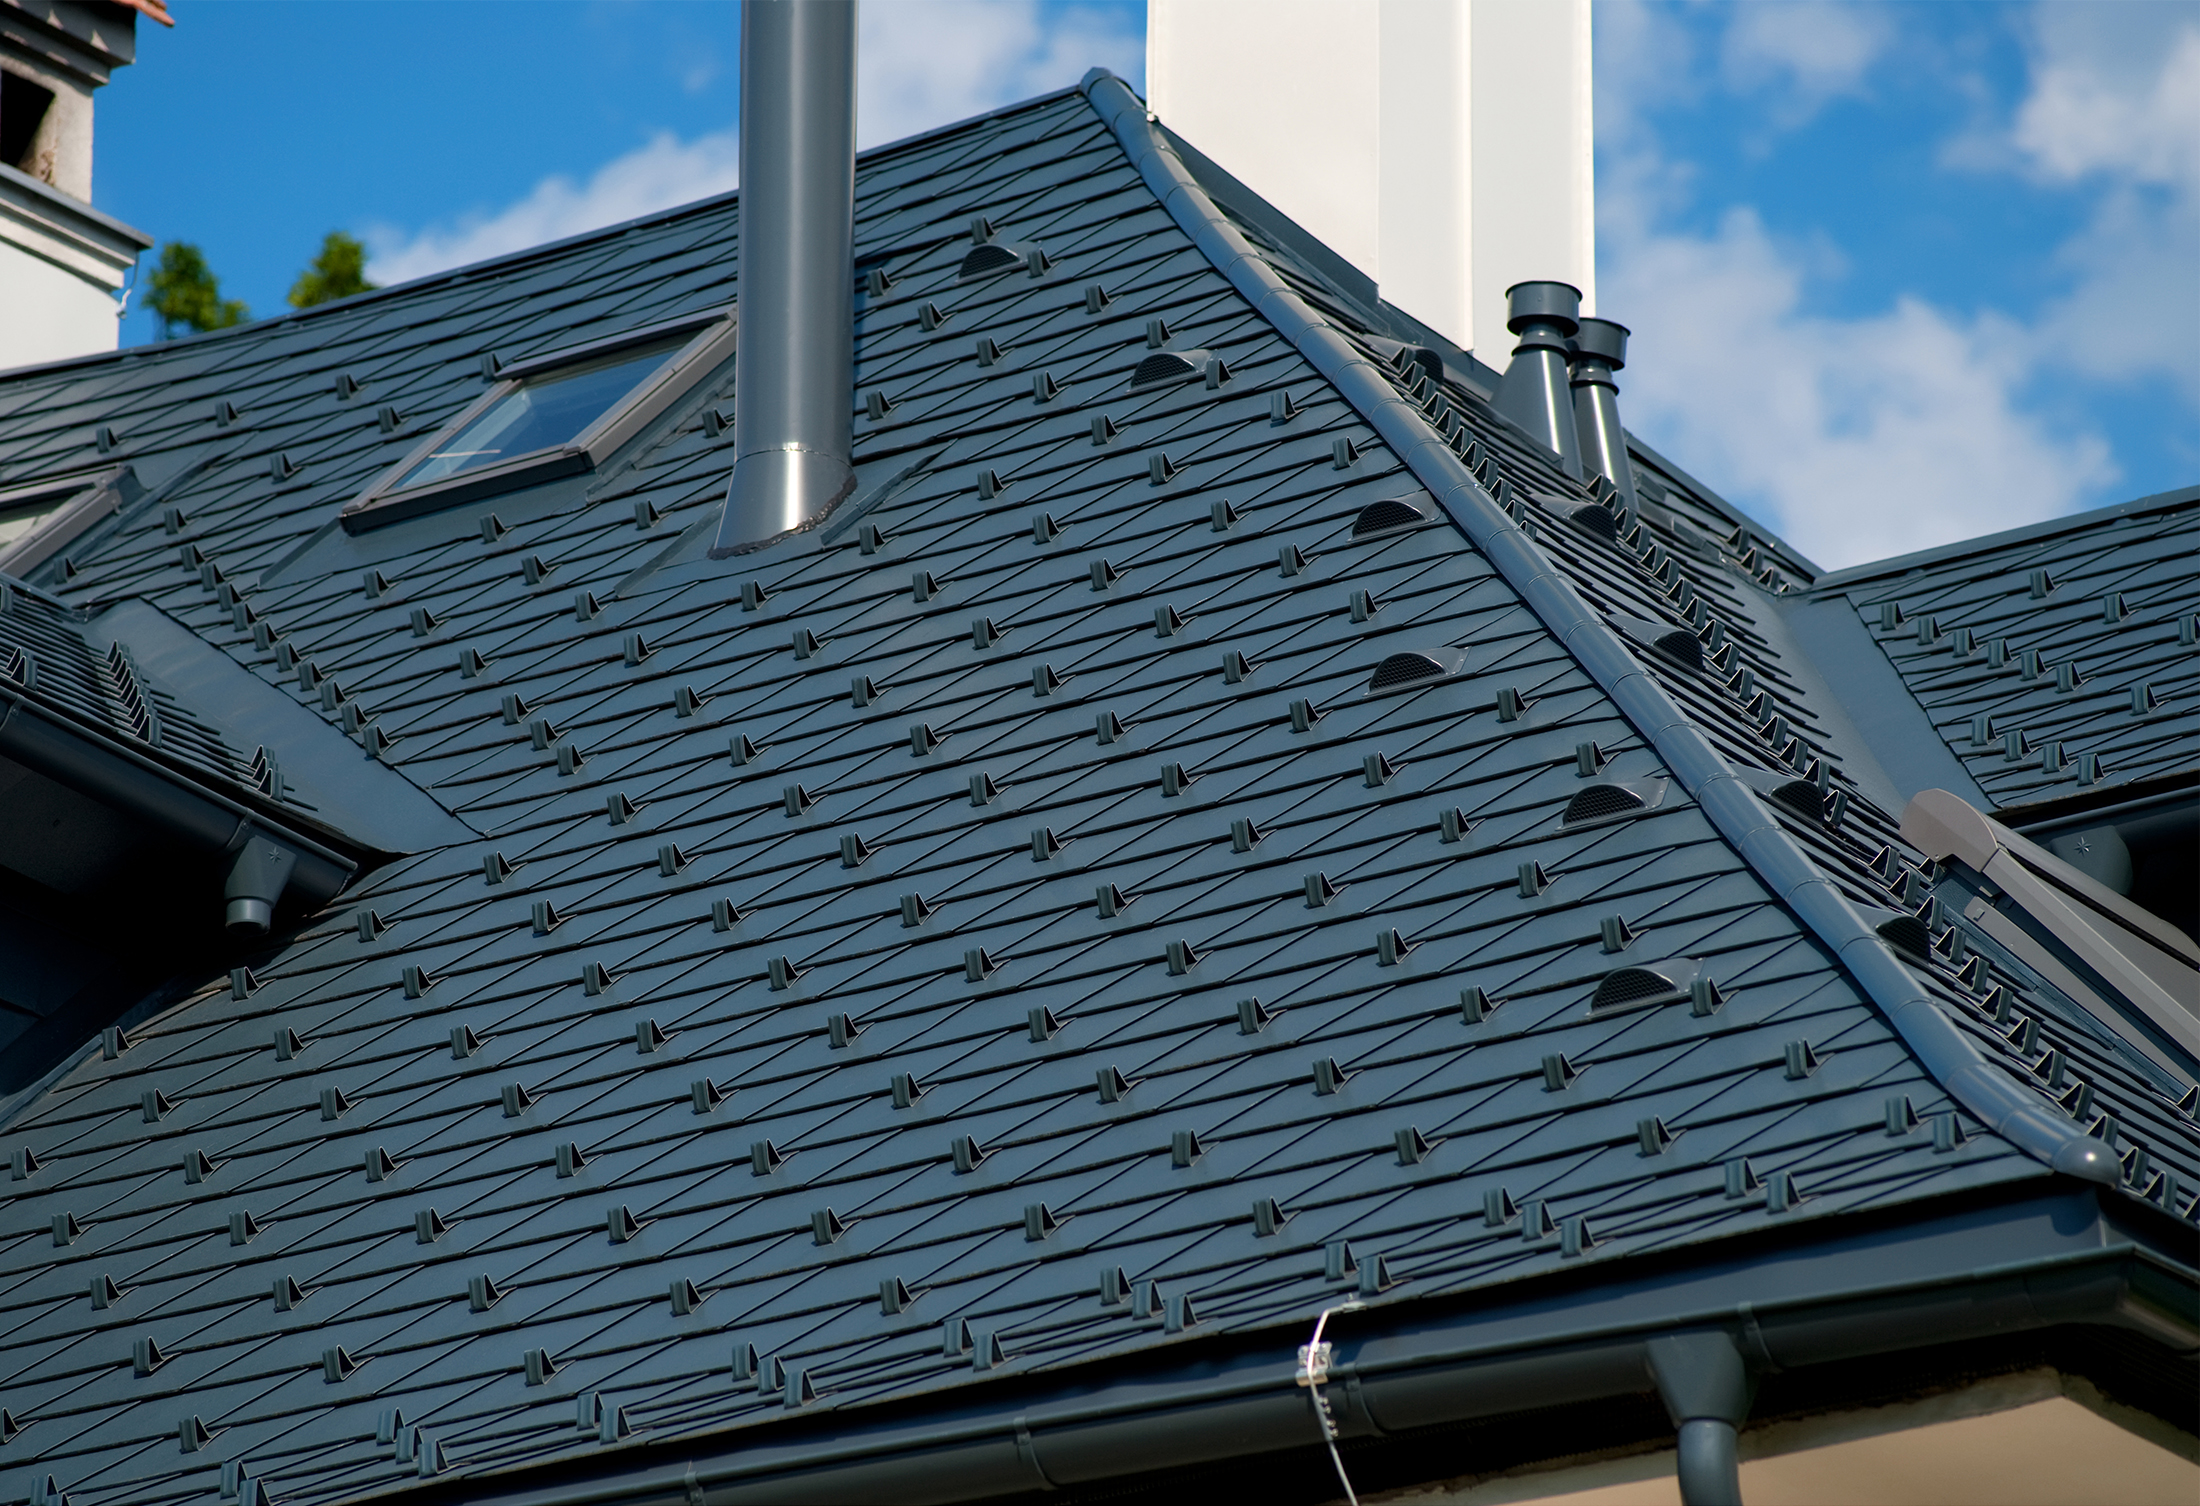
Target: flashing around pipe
[(2022, 1117), (1534, 392), (1706, 1390), (1600, 348), (794, 375)]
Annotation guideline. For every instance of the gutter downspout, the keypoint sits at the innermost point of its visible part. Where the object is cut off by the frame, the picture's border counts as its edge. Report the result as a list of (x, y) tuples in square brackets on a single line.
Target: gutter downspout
[(265, 858), (794, 374), (2014, 1113)]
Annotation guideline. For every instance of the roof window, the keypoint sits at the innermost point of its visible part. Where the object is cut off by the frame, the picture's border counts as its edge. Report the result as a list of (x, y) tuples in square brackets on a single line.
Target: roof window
[(556, 414), (37, 521)]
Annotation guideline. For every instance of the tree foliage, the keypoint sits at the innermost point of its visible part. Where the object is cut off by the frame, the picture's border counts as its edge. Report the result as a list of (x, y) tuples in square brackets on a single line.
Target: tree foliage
[(338, 272), (187, 295)]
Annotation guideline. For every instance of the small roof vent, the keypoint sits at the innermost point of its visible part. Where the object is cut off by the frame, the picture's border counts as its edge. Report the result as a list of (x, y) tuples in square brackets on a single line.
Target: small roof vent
[(1613, 800), (1594, 516), (1162, 367), (1678, 644), (1407, 669), (992, 259), (1901, 930), (1647, 983), (1380, 517), (1797, 794)]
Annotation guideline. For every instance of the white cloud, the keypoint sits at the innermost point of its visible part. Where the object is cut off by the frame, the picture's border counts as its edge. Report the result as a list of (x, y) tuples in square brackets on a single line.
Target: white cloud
[(920, 63), (1912, 424), (1854, 439), (923, 63), (2114, 110), (1803, 52), (665, 172)]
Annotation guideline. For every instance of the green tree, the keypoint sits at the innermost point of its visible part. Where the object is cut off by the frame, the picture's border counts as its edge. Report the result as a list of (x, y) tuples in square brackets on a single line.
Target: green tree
[(187, 294), (338, 272)]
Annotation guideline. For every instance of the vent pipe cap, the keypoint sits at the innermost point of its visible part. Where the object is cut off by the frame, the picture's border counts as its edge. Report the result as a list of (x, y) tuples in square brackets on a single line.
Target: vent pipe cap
[(1543, 313)]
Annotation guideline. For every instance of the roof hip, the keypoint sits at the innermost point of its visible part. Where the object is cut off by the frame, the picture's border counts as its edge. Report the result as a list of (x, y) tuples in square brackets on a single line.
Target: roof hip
[(1733, 809)]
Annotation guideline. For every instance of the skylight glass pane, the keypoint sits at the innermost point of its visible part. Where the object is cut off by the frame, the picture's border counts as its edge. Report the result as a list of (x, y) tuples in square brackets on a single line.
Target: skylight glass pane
[(545, 411), (24, 516)]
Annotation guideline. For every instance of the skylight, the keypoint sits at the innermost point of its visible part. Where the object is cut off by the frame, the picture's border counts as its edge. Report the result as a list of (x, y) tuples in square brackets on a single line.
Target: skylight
[(560, 413), (550, 410)]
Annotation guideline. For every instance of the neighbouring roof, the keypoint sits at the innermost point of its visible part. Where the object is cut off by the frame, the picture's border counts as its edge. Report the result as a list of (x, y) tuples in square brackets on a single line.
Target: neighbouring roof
[(762, 1031), (2073, 640)]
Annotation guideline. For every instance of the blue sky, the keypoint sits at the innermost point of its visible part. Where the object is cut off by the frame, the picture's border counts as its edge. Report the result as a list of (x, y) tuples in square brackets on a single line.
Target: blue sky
[(1898, 273)]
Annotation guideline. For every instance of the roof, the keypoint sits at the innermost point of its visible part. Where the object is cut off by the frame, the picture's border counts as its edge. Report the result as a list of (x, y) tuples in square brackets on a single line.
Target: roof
[(774, 1030), (2073, 640)]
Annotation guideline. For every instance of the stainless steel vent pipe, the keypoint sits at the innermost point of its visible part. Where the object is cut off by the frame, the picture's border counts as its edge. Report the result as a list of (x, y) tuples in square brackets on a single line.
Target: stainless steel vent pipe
[(1600, 348), (1534, 392), (794, 376)]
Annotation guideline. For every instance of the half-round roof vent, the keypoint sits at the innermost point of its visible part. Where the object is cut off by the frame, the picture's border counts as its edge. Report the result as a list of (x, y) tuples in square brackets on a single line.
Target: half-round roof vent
[(1391, 512), (1406, 669), (991, 260), (1646, 983), (1164, 366), (1901, 930), (1594, 516), (1613, 799), (1797, 794), (1678, 644)]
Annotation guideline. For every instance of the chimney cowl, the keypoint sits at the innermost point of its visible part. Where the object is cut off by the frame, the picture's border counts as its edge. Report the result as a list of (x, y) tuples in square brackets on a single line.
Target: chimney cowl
[(1600, 348), (1543, 314), (794, 372)]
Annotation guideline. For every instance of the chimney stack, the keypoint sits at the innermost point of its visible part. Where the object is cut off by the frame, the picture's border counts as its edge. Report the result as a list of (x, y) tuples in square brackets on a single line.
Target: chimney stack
[(794, 375), (1600, 348), (1535, 393)]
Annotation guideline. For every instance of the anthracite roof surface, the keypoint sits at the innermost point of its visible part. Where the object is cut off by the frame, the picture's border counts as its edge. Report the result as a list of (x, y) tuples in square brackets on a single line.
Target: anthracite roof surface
[(830, 1053), (2054, 658)]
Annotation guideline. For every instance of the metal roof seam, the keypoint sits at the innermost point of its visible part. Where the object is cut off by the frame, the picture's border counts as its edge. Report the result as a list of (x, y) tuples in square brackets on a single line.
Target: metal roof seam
[(1946, 1053)]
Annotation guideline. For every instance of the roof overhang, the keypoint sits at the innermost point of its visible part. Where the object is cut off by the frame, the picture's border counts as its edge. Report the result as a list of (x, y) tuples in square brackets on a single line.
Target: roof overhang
[(1817, 1297)]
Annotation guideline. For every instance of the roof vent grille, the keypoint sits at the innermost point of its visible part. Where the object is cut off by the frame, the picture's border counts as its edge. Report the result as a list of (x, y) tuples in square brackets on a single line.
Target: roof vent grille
[(1646, 983), (1165, 366), (1406, 669), (1609, 800), (1389, 513), (990, 259)]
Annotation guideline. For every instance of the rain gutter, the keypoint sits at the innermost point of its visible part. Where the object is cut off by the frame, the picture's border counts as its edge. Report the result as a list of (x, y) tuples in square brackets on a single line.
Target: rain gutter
[(1406, 1368), (2012, 1112)]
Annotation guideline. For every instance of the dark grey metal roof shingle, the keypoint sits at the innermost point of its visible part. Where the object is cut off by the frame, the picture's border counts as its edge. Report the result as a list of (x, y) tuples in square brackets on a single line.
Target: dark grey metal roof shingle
[(1071, 1185)]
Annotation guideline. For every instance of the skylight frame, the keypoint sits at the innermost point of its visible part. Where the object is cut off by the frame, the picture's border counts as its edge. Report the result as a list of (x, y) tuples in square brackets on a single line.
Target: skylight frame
[(86, 498), (715, 335)]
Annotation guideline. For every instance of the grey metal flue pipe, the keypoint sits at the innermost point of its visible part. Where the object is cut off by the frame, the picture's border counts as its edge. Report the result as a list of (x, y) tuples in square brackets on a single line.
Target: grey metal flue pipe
[(1534, 392), (794, 376), (1600, 348)]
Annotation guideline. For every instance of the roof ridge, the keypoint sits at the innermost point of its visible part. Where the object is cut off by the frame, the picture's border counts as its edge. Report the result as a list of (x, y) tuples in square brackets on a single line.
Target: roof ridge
[(1945, 1053), (2169, 501)]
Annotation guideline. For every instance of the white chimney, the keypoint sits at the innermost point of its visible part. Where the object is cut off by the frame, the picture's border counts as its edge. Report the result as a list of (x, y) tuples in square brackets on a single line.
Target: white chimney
[(62, 262), (1443, 147)]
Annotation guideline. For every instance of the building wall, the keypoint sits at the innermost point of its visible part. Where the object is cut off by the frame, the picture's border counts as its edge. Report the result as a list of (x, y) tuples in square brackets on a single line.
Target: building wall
[(48, 313)]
